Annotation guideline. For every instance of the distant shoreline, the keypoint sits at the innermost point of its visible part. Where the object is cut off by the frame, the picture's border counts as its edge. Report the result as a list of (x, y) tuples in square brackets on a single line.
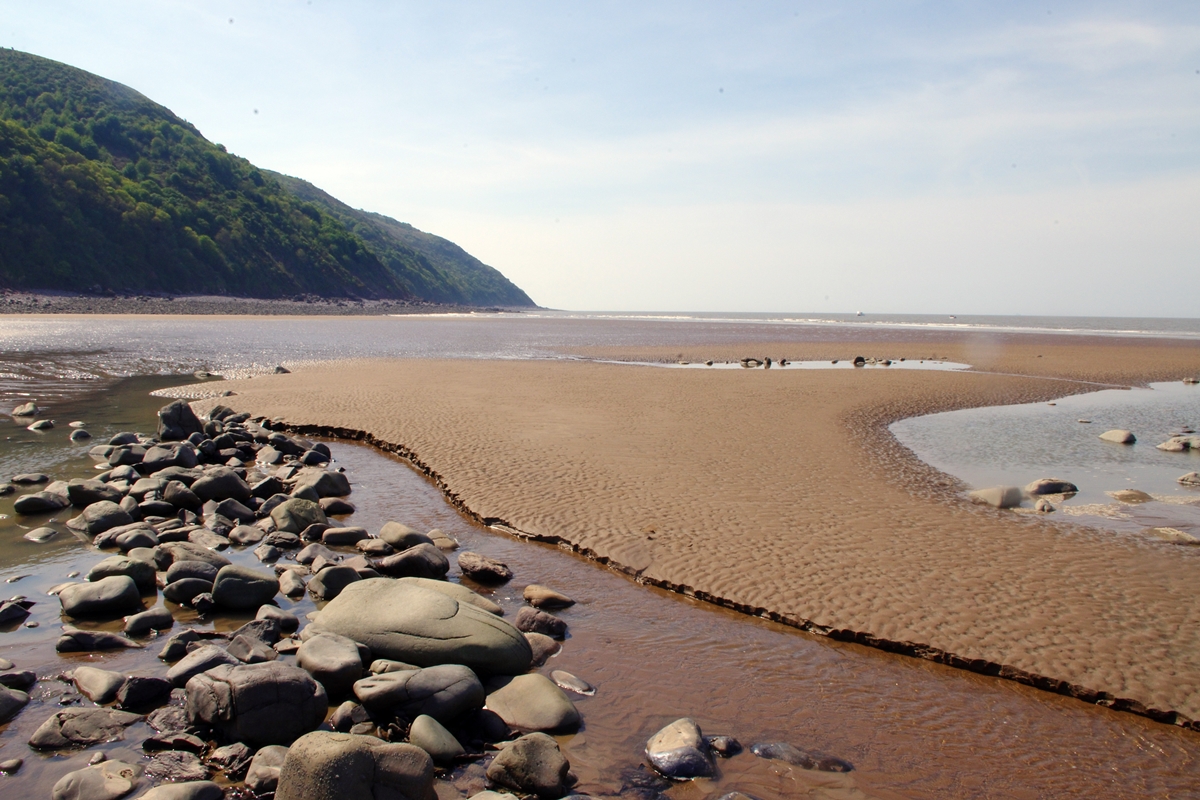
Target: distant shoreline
[(12, 302)]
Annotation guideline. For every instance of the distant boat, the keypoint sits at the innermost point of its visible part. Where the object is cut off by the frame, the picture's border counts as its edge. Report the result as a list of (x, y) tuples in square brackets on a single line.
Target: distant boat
[(953, 317), (860, 314)]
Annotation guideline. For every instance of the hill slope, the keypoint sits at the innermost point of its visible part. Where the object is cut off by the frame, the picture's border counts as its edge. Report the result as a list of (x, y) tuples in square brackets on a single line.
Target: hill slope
[(103, 189)]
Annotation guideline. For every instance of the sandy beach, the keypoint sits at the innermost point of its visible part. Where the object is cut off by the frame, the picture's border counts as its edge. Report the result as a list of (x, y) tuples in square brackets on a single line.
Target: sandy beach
[(781, 493)]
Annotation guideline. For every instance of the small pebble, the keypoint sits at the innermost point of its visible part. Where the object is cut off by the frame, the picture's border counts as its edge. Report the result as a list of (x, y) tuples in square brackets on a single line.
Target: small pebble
[(73, 574), (10, 766), (97, 758)]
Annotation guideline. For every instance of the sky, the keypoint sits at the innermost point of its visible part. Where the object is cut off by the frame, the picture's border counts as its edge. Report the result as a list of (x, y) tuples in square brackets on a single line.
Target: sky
[(888, 157)]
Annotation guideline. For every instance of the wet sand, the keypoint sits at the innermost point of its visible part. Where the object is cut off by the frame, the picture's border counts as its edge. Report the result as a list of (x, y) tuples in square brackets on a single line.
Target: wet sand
[(782, 493)]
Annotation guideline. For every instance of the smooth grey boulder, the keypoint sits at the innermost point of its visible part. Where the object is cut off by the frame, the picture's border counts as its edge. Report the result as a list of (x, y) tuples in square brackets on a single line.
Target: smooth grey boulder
[(98, 685), (263, 775), (1190, 479), (286, 621), (191, 569), (540, 596), (188, 790), (402, 537), (141, 573), (443, 692), (455, 591), (221, 483), (247, 534), (177, 421), (184, 590), (329, 582), (81, 727), (11, 703), (107, 780), (140, 692), (251, 650), (45, 534), (1119, 436), (243, 588), (114, 595), (680, 752), (1051, 486), (200, 660), (342, 766), (483, 569), (997, 496), (29, 409), (322, 481), (296, 514), (429, 735), (99, 517), (74, 640), (531, 703), (405, 622), (421, 561), (344, 537), (333, 660), (40, 503), (134, 538), (805, 759), (543, 647), (179, 495), (291, 584), (146, 622), (534, 620), (532, 764), (82, 493), (260, 704), (168, 553)]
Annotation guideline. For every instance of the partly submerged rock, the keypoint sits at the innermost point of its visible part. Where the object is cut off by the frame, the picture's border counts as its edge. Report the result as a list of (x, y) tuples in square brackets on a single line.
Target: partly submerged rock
[(343, 766), (533, 764), (81, 727), (531, 703), (1119, 436), (998, 496), (805, 759), (680, 752), (260, 704), (1051, 486), (107, 780)]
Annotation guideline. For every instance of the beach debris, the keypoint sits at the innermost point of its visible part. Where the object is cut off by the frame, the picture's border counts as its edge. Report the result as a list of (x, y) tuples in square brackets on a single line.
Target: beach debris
[(680, 752), (1174, 536), (1190, 479), (998, 496), (1130, 496), (1051, 486), (1191, 381), (29, 409), (1119, 436), (805, 759), (1085, 421), (533, 764)]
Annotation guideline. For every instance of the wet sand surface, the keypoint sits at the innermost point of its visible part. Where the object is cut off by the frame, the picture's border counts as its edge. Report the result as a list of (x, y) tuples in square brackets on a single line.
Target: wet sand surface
[(782, 492)]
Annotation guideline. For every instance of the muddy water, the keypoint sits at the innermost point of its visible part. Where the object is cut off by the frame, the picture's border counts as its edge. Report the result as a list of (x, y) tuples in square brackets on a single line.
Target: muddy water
[(911, 728)]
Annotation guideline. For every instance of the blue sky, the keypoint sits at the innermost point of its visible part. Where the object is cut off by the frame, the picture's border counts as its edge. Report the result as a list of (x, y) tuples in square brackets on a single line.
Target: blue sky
[(769, 156)]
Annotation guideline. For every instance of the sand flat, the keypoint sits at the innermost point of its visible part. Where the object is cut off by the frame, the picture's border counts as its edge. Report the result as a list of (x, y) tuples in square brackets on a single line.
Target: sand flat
[(782, 491)]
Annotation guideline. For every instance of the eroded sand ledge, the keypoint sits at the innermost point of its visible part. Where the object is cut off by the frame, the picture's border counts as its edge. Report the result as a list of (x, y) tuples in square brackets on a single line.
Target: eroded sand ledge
[(781, 493)]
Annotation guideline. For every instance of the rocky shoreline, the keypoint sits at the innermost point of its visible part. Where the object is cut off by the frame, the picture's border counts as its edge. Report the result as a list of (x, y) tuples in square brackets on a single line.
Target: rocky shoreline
[(13, 302), (400, 677)]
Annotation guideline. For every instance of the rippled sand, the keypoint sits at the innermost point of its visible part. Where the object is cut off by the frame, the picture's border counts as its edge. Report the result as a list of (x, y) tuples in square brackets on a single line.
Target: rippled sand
[(782, 492)]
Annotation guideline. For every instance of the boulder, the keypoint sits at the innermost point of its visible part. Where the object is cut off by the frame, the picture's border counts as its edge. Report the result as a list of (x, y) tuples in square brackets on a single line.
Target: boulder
[(1190, 479), (344, 537), (429, 735), (251, 650), (329, 582), (805, 759), (405, 622), (342, 766), (40, 503), (291, 584), (422, 561), (168, 553), (233, 510), (286, 621), (1051, 486), (81, 727), (1118, 436), (483, 569), (113, 595), (260, 704), (322, 481), (443, 692), (402, 537), (191, 569), (202, 659), (29, 409), (140, 572), (74, 640), (98, 685), (107, 780), (263, 775), (242, 588), (179, 495), (143, 693), (177, 421), (175, 766), (532, 764), (188, 790), (11, 703), (998, 496), (82, 493), (247, 534), (457, 591), (543, 647), (333, 660), (540, 596), (296, 514), (533, 620), (184, 590), (680, 752), (565, 680), (336, 506), (221, 483), (531, 703)]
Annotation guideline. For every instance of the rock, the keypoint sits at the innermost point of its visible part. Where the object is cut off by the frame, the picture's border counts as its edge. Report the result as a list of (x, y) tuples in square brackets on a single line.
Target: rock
[(263, 775), (189, 790), (135, 539), (336, 506), (531, 703), (1051, 486), (532, 764), (168, 719), (177, 421), (98, 685), (113, 595), (456, 591), (45, 534), (680, 752), (282, 540), (40, 503), (997, 496), (1130, 496), (10, 766), (232, 509), (74, 640), (805, 759), (286, 621), (14, 610), (1118, 436), (342, 766), (565, 680), (329, 582), (202, 659), (81, 727), (406, 622), (22, 680), (1043, 506), (221, 483), (179, 495), (41, 425), (1190, 479), (333, 660), (191, 569), (533, 620), (99, 517), (483, 569), (543, 648), (79, 435), (421, 561), (443, 692), (291, 584), (143, 693), (1174, 536), (175, 766), (29, 409), (232, 759), (429, 735), (175, 740), (296, 514), (724, 746), (442, 540), (540, 596), (344, 537), (108, 780), (267, 554), (269, 703), (141, 573), (241, 588), (170, 552), (184, 590), (11, 703), (402, 537), (374, 547), (324, 482), (82, 493), (1176, 444)]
